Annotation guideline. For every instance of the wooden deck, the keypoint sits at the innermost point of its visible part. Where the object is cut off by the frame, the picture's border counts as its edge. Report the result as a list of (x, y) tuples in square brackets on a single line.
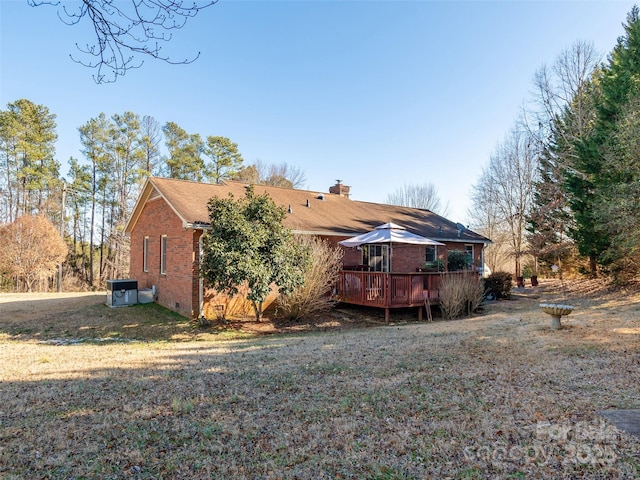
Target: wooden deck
[(390, 290)]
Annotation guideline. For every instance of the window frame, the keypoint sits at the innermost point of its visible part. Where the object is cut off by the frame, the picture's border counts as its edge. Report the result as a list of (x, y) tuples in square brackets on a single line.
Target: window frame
[(469, 250), (145, 254), (163, 255), (369, 259), (430, 249)]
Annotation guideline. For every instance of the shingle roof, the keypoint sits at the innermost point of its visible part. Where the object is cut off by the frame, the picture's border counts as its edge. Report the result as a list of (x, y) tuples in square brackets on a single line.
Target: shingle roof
[(326, 213)]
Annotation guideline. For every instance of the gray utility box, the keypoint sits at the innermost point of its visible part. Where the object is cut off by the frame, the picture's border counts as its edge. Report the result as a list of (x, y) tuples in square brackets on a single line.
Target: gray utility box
[(145, 295), (122, 293)]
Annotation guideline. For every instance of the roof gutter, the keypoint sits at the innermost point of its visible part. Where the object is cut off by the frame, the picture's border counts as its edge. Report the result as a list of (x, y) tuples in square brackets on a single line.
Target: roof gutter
[(197, 226), (463, 240)]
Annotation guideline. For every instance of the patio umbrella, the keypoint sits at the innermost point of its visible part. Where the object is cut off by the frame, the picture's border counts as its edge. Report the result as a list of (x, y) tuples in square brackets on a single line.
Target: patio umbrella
[(388, 233)]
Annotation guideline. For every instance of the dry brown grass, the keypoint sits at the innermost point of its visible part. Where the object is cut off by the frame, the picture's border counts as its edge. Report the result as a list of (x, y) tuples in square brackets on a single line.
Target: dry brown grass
[(495, 396)]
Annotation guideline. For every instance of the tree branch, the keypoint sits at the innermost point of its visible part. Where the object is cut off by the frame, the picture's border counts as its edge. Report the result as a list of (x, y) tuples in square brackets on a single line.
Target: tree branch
[(125, 30)]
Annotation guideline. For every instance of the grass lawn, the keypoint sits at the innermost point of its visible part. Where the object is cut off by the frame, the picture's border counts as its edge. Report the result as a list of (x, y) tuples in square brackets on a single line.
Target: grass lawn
[(92, 392)]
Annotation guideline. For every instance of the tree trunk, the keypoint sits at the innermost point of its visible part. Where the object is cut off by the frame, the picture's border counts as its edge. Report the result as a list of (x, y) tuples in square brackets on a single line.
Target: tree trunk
[(91, 231), (257, 308), (593, 267)]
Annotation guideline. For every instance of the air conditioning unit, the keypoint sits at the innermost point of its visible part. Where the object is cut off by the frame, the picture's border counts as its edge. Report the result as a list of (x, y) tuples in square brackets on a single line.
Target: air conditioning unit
[(122, 293)]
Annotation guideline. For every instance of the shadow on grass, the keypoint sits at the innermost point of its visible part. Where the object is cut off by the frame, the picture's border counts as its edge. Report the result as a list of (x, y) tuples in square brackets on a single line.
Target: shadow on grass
[(64, 321), (84, 318)]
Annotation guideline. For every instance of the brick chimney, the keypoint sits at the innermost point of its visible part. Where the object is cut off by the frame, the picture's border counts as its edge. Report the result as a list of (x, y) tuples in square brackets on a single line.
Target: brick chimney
[(340, 189)]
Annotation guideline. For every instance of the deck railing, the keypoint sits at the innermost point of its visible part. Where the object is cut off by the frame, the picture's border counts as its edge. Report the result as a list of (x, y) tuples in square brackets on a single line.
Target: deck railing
[(389, 289)]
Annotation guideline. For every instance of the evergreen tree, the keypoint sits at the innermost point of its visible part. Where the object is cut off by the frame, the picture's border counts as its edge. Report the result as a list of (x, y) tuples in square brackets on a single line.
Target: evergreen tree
[(549, 219), (619, 211), (94, 137), (248, 244), (29, 169), (185, 153), (79, 200), (598, 170), (225, 162)]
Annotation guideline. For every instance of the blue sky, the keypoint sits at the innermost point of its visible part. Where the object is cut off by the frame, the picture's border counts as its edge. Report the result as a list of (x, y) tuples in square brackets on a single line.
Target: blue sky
[(377, 94)]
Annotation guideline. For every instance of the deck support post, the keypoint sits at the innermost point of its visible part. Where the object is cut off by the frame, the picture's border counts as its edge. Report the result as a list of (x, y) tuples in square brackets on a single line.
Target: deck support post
[(386, 314), (419, 314)]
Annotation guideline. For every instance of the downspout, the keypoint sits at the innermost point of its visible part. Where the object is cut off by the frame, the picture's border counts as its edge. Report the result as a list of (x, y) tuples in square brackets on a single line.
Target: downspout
[(484, 274), (200, 279)]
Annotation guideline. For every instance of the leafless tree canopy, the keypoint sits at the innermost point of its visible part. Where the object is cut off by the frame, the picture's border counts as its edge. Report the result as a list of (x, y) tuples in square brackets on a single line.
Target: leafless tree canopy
[(485, 218), (423, 196), (560, 85), (124, 29), (276, 175), (509, 181), (151, 138)]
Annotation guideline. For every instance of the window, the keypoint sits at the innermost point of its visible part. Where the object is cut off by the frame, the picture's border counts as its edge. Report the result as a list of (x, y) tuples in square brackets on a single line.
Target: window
[(431, 262), (468, 250), (430, 257), (163, 254), (376, 257), (145, 254)]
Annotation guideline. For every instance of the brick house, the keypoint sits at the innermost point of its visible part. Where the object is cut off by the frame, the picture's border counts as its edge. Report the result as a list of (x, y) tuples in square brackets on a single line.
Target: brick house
[(170, 217)]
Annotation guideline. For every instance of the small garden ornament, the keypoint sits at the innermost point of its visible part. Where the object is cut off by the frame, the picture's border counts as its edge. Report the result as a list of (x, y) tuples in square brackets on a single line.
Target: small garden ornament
[(556, 311)]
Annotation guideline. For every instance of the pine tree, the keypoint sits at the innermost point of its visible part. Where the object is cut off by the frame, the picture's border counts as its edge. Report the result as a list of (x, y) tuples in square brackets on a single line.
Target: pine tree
[(185, 153), (599, 170), (225, 162), (27, 158)]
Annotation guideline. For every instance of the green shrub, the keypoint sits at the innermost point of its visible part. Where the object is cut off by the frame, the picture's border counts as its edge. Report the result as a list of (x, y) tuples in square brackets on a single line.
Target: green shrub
[(436, 266), (457, 260), (498, 284), (460, 295)]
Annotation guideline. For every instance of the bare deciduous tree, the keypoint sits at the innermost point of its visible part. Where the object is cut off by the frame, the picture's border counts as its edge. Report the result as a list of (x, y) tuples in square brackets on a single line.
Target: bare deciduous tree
[(563, 84), (562, 118), (484, 218), (423, 196), (276, 175), (281, 175), (151, 138), (31, 249), (509, 180)]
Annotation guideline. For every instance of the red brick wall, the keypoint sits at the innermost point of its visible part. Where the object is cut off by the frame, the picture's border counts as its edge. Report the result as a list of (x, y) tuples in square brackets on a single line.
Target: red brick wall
[(178, 288), (407, 258), (350, 256), (477, 252)]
